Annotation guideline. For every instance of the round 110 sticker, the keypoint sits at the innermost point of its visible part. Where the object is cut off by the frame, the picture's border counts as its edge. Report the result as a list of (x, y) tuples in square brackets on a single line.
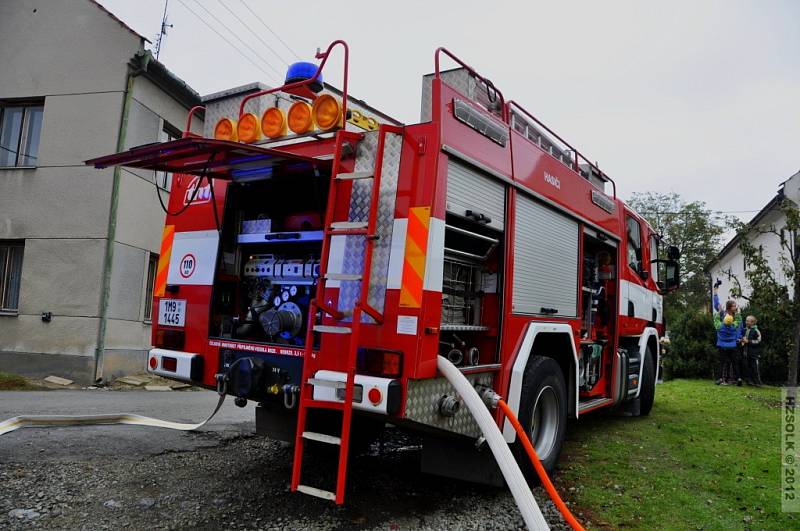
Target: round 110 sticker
[(188, 262)]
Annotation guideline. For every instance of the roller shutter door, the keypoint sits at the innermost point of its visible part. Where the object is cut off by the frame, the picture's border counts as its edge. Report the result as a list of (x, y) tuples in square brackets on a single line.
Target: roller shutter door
[(545, 261), (471, 189)]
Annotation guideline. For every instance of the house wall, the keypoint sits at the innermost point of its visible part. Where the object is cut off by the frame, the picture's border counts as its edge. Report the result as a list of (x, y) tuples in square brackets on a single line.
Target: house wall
[(731, 266), (61, 207)]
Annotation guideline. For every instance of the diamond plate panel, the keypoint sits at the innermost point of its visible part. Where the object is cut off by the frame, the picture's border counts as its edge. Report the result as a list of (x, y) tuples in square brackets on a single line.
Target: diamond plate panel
[(360, 199), (464, 83), (423, 397)]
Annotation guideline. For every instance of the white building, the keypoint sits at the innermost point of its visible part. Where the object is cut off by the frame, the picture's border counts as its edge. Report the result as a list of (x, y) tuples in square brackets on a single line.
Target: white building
[(730, 265)]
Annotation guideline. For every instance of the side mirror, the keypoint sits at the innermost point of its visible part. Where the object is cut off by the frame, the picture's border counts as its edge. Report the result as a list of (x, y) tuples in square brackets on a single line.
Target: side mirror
[(673, 253), (669, 274)]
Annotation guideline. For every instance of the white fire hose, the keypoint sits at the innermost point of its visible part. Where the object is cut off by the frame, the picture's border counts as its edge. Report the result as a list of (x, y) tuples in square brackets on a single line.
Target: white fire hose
[(33, 421), (508, 465)]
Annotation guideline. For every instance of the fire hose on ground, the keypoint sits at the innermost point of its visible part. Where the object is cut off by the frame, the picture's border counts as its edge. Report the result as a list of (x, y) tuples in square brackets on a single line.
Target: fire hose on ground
[(508, 466)]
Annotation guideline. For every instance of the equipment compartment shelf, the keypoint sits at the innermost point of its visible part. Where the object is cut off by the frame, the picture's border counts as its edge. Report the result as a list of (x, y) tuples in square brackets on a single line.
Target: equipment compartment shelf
[(281, 237)]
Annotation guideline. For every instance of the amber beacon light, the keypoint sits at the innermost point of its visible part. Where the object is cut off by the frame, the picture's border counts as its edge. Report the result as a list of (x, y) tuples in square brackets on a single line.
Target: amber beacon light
[(249, 129), (327, 112), (225, 130), (300, 118), (273, 123)]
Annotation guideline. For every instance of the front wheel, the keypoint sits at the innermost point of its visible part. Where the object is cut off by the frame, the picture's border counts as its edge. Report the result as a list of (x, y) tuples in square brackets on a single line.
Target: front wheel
[(647, 394), (542, 412)]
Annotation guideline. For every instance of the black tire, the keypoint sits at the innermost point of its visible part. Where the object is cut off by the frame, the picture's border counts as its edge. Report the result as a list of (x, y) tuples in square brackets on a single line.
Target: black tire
[(543, 396), (647, 394)]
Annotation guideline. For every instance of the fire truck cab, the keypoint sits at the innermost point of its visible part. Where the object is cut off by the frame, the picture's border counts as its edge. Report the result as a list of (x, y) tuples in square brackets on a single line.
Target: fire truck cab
[(318, 256)]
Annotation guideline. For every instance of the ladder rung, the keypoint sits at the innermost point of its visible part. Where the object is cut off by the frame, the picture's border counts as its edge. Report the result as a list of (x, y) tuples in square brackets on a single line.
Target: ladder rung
[(322, 437), (349, 225), (342, 276), (319, 493), (323, 404), (332, 329), (352, 176), (327, 383)]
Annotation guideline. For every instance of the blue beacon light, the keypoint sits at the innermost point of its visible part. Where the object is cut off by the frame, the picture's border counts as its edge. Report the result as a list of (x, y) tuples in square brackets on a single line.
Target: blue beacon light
[(302, 71)]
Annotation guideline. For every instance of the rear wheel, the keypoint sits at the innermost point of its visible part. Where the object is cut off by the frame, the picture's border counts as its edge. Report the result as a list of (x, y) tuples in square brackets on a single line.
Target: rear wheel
[(647, 394), (542, 412)]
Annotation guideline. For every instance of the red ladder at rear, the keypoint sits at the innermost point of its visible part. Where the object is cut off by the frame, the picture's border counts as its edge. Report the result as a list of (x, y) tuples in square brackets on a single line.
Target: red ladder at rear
[(339, 228)]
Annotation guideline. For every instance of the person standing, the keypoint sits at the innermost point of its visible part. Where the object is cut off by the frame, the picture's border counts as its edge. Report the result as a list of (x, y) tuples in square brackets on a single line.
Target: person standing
[(728, 324), (751, 341)]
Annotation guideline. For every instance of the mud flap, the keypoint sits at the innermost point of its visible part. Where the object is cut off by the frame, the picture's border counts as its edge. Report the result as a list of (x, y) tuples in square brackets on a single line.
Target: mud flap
[(460, 459)]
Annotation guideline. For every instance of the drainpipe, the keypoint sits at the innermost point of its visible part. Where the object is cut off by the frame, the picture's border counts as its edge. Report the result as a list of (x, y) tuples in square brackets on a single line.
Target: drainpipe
[(105, 289)]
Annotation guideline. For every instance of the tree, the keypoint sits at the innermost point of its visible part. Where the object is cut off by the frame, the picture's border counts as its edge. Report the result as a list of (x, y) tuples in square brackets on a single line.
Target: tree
[(771, 299), (696, 231)]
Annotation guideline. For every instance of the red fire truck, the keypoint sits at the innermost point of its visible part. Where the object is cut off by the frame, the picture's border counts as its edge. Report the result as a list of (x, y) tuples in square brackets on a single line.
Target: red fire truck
[(319, 256)]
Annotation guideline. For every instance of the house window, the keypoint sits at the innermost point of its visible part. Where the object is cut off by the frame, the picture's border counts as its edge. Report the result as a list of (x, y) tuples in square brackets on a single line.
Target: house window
[(20, 129), (152, 267), (10, 274), (167, 134), (634, 243)]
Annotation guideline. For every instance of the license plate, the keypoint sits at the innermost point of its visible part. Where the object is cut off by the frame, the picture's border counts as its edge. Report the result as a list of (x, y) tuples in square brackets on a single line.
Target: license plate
[(171, 312)]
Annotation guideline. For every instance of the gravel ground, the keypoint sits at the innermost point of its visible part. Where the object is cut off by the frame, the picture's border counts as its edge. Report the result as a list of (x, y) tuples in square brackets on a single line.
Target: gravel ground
[(240, 481)]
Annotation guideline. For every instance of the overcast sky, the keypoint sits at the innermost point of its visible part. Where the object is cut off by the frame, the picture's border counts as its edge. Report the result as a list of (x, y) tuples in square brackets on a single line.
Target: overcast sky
[(697, 97)]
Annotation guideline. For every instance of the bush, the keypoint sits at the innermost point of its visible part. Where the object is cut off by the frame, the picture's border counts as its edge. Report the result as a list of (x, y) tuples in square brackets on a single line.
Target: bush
[(692, 352)]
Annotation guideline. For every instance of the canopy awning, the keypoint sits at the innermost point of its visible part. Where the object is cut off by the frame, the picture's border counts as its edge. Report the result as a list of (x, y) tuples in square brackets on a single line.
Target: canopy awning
[(219, 159)]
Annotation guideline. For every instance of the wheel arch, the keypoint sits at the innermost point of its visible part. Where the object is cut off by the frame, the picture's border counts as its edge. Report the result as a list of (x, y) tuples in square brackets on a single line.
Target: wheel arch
[(648, 338), (552, 340)]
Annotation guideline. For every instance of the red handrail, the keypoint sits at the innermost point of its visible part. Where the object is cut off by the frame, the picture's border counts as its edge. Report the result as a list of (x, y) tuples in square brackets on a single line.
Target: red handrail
[(188, 131), (472, 71), (297, 84), (578, 154)]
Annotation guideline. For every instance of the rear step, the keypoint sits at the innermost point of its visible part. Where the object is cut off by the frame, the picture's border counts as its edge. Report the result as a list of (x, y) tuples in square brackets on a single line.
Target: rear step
[(322, 437), (319, 493)]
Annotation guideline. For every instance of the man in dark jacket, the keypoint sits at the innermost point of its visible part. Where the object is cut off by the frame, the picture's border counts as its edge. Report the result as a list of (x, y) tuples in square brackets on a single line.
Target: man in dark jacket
[(751, 342), (729, 330)]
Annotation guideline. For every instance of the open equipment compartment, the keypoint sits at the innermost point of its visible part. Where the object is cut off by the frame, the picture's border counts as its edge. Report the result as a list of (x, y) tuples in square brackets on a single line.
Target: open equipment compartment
[(269, 258), (470, 287)]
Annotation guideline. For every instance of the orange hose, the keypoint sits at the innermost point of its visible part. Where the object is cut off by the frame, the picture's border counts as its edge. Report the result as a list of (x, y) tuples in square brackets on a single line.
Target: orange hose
[(537, 465)]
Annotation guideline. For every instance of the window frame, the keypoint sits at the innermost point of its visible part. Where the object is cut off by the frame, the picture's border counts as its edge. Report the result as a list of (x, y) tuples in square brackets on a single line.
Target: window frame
[(629, 241), (654, 248), (167, 133), (151, 266), (24, 132), (5, 275)]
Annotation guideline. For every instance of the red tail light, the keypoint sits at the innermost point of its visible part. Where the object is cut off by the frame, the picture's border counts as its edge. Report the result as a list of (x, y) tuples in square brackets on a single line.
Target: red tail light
[(374, 362), (170, 339)]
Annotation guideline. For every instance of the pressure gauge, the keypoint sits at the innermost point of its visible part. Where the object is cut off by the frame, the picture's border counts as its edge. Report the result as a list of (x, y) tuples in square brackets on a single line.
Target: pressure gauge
[(277, 301), (293, 290), (285, 295)]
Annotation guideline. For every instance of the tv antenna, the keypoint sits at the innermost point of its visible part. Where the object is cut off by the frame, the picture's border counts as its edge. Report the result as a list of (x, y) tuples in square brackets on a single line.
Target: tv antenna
[(163, 31)]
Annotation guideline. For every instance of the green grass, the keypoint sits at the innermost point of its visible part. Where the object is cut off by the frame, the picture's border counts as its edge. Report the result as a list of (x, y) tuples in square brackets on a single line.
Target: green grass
[(707, 457), (13, 382)]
